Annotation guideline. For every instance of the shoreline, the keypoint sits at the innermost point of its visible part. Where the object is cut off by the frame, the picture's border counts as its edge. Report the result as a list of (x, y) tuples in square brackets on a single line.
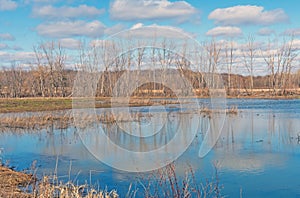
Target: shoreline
[(19, 105), (14, 183)]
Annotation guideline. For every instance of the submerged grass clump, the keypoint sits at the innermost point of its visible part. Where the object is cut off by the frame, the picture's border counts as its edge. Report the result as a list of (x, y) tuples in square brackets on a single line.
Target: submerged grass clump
[(35, 121), (37, 113), (64, 119), (232, 110)]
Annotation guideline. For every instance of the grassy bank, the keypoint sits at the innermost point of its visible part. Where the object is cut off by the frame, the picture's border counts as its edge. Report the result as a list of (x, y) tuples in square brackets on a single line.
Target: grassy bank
[(34, 104), (8, 105)]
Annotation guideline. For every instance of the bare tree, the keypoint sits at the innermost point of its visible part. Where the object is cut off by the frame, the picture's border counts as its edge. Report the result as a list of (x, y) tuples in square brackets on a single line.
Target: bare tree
[(15, 80), (140, 58), (60, 59), (40, 69), (153, 63), (48, 53), (213, 57), (280, 64), (200, 59), (287, 64), (273, 69), (50, 60), (249, 55), (229, 63), (166, 58)]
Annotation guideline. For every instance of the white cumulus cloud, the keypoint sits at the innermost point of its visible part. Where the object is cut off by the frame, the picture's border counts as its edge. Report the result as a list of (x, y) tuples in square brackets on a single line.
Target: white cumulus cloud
[(3, 46), (293, 31), (50, 12), (68, 29), (114, 29), (247, 15), (138, 25), (8, 5), (226, 31), (265, 32), (151, 10), (7, 37), (70, 43), (154, 30), (18, 56)]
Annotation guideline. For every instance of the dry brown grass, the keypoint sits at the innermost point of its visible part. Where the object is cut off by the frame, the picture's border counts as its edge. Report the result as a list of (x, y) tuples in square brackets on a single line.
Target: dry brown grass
[(64, 120), (45, 119), (165, 182), (161, 183), (35, 122), (11, 181), (39, 121), (233, 110), (9, 105), (68, 190)]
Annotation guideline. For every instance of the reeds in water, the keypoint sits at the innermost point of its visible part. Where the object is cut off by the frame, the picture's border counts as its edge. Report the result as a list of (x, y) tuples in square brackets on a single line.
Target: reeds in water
[(35, 122), (233, 110)]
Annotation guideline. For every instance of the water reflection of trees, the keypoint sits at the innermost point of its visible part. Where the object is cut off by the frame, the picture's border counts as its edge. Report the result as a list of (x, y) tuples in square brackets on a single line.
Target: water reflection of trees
[(174, 123), (254, 139), (249, 132), (250, 128)]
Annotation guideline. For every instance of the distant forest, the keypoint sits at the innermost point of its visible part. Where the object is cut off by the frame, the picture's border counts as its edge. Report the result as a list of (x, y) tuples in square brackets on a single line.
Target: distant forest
[(49, 75), (16, 83)]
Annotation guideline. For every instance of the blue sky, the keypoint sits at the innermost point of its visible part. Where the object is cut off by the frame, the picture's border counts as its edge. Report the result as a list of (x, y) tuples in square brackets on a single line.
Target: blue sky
[(25, 23)]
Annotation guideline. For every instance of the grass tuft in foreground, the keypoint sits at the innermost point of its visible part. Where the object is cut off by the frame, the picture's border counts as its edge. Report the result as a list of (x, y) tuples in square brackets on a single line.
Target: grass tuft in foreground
[(164, 182)]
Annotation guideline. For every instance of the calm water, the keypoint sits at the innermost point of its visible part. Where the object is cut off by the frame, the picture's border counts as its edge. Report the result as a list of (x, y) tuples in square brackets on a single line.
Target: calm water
[(257, 154)]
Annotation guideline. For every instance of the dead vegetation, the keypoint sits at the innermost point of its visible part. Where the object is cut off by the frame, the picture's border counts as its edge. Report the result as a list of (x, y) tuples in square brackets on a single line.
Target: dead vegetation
[(69, 190), (65, 119), (11, 182), (16, 105), (164, 182), (35, 121), (232, 110)]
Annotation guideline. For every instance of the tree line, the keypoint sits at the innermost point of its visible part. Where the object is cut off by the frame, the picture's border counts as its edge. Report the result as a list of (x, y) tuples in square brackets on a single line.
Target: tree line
[(51, 74)]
